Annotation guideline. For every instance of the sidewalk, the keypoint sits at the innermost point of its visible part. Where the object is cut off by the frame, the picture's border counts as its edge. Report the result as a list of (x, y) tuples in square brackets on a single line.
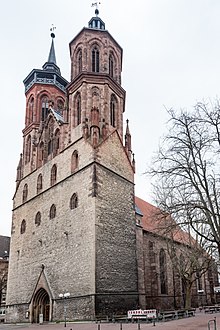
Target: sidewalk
[(198, 322)]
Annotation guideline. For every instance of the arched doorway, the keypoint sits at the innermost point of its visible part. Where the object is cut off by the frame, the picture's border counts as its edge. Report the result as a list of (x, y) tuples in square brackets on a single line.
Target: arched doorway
[(41, 305)]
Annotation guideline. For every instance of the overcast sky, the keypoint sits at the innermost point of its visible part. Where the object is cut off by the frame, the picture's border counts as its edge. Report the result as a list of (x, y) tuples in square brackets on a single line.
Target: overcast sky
[(171, 59)]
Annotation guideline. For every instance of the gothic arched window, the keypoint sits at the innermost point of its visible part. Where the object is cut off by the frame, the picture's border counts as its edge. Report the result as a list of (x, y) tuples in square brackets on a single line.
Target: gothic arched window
[(74, 161), (111, 65), (30, 111), (28, 150), (60, 106), (79, 61), (56, 142), (113, 104), (39, 183), (52, 214), (25, 193), (73, 201), (163, 272), (53, 175), (23, 227), (95, 59), (78, 108), (38, 219), (44, 108)]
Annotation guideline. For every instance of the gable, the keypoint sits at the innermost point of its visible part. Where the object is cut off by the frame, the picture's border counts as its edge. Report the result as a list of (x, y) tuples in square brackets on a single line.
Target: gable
[(112, 154)]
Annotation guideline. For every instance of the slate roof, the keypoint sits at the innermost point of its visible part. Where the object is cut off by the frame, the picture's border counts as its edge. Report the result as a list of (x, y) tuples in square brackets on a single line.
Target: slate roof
[(156, 222), (4, 246), (58, 116)]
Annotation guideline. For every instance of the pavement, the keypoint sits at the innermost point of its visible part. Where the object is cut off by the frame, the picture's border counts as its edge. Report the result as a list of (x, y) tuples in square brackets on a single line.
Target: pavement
[(197, 322)]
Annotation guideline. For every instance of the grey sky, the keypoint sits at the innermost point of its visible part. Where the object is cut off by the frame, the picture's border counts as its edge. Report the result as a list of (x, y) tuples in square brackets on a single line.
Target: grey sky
[(171, 58)]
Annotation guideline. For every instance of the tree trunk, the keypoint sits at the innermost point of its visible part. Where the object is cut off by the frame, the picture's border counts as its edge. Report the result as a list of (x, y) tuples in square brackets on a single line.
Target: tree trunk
[(188, 296)]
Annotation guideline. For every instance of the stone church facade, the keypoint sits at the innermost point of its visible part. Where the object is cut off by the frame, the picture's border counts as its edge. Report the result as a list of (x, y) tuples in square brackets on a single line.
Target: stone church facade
[(76, 225)]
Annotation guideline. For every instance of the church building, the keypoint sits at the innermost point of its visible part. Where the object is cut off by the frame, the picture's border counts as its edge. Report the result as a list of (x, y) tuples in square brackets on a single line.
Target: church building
[(79, 235)]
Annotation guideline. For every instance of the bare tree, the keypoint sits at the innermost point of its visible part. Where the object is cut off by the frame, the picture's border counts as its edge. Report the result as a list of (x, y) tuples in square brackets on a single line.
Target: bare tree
[(187, 171)]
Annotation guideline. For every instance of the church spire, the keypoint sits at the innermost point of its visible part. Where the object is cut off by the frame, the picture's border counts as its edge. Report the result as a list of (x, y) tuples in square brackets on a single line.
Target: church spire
[(52, 56), (51, 64)]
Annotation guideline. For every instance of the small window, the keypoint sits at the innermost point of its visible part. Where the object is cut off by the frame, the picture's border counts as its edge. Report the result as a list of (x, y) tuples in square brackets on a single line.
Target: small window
[(52, 212), (23, 226), (53, 175), (25, 193), (73, 201), (39, 183), (38, 219), (74, 161)]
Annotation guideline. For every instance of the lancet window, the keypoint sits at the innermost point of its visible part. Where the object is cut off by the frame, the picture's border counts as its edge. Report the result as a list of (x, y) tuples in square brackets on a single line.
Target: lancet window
[(163, 272), (113, 104), (74, 201), (95, 59), (53, 175), (39, 183)]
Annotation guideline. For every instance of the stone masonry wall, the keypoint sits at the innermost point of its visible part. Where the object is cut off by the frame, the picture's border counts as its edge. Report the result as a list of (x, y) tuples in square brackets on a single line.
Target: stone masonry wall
[(65, 245), (116, 264)]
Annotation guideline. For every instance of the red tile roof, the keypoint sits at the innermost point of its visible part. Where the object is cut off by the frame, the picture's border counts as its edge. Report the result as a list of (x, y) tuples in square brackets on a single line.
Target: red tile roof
[(157, 222)]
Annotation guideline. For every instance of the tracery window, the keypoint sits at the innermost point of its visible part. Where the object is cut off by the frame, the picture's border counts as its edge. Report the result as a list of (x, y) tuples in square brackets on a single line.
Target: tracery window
[(74, 161), (163, 272), (111, 65), (95, 59), (44, 108), (28, 150), (53, 175), (113, 103), (23, 227), (74, 201), (52, 214), (38, 219), (39, 183), (25, 193)]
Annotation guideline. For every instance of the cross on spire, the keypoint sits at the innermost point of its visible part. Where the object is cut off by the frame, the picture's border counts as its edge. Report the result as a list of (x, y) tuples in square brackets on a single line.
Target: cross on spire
[(96, 4), (52, 29)]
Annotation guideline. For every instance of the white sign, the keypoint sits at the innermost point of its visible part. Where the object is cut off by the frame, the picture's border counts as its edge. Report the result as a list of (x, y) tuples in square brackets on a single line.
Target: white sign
[(142, 313), (216, 289)]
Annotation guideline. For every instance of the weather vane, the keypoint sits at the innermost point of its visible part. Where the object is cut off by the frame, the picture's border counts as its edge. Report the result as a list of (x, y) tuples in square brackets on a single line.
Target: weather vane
[(96, 4), (52, 29)]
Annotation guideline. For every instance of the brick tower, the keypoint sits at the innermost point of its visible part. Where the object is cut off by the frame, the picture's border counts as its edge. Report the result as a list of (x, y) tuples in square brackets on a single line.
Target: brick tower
[(73, 227)]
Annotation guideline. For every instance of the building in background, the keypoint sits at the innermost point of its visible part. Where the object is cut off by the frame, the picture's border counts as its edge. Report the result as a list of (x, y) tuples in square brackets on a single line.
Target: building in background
[(4, 257), (78, 239)]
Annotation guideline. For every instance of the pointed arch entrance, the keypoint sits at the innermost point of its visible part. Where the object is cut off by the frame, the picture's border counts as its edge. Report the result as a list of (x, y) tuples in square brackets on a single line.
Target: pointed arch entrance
[(41, 305)]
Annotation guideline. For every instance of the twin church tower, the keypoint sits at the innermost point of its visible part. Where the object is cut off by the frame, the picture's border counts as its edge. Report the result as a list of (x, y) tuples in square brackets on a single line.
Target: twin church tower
[(73, 227)]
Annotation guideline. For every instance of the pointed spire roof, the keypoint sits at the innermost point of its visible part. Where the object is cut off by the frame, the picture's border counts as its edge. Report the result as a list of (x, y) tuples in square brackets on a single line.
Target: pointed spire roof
[(49, 75), (51, 64), (52, 56)]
